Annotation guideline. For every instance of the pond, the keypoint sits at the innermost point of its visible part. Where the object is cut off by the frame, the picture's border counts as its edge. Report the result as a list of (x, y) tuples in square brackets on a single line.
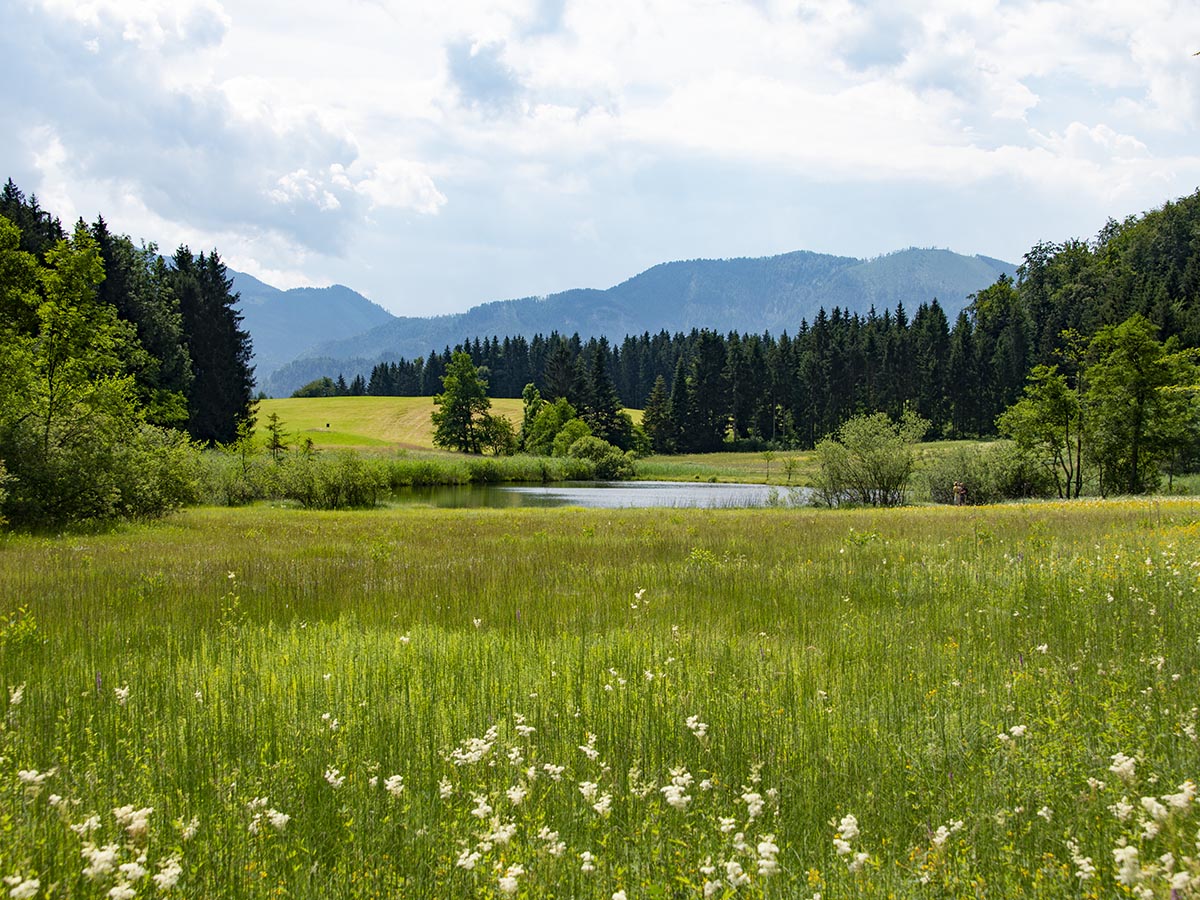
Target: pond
[(604, 495)]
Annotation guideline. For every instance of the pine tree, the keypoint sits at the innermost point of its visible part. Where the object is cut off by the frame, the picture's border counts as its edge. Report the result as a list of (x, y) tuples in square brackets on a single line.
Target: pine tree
[(222, 393)]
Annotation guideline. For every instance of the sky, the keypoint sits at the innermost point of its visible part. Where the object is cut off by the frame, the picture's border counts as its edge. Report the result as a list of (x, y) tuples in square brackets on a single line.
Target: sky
[(436, 155)]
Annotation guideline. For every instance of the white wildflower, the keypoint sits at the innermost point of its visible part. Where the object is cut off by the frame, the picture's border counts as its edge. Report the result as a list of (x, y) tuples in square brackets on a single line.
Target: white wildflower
[(22, 888), (189, 830), (1095, 784), (1156, 810), (16, 694), (445, 789), (698, 728), (842, 847), (168, 874), (335, 777), (754, 803), (619, 895), (589, 749), (856, 864), (712, 888), (848, 827), (394, 785), (555, 772), (588, 789), (1122, 809), (100, 860), (467, 859), (482, 809), (735, 875), (604, 805), (501, 833), (122, 891), (767, 851), (587, 862), (474, 750), (1017, 731), (728, 823), (1046, 813), (1043, 648), (122, 694), (516, 794), (278, 819), (132, 871), (508, 881), (1182, 800), (136, 822), (1084, 868), (1123, 766), (1129, 870)]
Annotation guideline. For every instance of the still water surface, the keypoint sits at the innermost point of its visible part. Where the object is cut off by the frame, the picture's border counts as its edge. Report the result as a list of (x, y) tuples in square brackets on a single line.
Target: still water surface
[(604, 495)]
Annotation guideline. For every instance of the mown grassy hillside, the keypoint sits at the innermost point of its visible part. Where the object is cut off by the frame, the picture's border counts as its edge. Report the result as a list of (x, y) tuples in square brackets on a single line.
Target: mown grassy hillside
[(366, 423)]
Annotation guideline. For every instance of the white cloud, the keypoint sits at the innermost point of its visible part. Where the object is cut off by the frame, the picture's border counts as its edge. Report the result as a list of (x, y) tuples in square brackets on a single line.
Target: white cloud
[(306, 135)]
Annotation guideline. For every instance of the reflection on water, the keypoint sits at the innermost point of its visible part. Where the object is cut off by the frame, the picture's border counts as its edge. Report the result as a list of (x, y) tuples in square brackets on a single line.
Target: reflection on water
[(604, 495)]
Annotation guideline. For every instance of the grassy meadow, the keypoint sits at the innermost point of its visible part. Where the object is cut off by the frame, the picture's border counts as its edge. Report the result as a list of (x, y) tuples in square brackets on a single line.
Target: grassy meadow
[(364, 423), (940, 702)]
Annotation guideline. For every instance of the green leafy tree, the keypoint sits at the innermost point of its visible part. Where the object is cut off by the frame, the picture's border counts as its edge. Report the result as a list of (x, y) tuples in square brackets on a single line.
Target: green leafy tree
[(460, 419), (72, 434), (531, 405), (547, 423), (1140, 403), (871, 460), (1047, 423), (571, 432)]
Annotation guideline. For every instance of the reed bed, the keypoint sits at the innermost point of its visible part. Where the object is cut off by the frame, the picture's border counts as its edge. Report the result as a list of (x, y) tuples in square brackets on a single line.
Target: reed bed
[(563, 703)]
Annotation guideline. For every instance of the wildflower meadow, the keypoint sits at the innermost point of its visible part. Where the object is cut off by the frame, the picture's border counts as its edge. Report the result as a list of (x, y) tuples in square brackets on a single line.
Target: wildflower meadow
[(952, 702)]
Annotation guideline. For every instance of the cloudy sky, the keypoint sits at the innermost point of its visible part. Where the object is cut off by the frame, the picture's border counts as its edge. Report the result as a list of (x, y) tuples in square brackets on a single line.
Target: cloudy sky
[(436, 155)]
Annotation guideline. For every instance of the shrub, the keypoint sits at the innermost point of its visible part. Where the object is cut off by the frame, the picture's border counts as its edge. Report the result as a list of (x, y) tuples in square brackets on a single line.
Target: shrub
[(568, 435), (871, 460), (990, 474), (611, 464)]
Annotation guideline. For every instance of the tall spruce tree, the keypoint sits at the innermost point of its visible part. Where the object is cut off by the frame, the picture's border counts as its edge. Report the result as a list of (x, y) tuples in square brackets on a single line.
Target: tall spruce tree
[(222, 391)]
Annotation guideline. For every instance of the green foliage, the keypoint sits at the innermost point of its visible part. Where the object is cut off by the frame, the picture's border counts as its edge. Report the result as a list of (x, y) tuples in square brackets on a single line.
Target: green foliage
[(459, 422), (990, 474), (277, 444), (1141, 404), (547, 422), (320, 387), (871, 460), (1047, 423), (611, 463), (571, 431), (72, 433), (497, 435)]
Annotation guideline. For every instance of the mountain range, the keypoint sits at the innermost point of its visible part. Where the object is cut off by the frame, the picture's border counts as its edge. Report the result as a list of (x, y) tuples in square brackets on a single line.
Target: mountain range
[(304, 333)]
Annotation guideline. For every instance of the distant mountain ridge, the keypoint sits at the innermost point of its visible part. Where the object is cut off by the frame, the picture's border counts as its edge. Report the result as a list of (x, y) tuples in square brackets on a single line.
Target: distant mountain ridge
[(773, 294)]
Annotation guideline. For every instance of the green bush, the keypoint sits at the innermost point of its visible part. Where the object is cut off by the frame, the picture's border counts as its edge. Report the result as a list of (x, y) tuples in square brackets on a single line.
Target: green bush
[(990, 474), (568, 435), (611, 463), (870, 461)]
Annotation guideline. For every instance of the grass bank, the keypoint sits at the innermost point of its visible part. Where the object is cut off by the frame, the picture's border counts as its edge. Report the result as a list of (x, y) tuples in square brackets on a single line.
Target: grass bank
[(568, 703)]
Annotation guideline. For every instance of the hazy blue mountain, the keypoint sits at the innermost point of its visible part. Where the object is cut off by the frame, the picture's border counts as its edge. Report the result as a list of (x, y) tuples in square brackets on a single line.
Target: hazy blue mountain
[(284, 325), (748, 295)]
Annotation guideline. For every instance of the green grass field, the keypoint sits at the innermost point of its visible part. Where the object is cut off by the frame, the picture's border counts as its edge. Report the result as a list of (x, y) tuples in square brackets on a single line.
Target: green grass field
[(564, 703), (364, 423)]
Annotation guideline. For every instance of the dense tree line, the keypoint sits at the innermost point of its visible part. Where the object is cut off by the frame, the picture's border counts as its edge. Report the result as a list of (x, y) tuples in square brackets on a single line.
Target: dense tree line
[(112, 360), (702, 389)]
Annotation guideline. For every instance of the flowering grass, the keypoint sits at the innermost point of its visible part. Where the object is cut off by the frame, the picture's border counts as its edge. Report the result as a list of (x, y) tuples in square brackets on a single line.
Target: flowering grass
[(563, 703)]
